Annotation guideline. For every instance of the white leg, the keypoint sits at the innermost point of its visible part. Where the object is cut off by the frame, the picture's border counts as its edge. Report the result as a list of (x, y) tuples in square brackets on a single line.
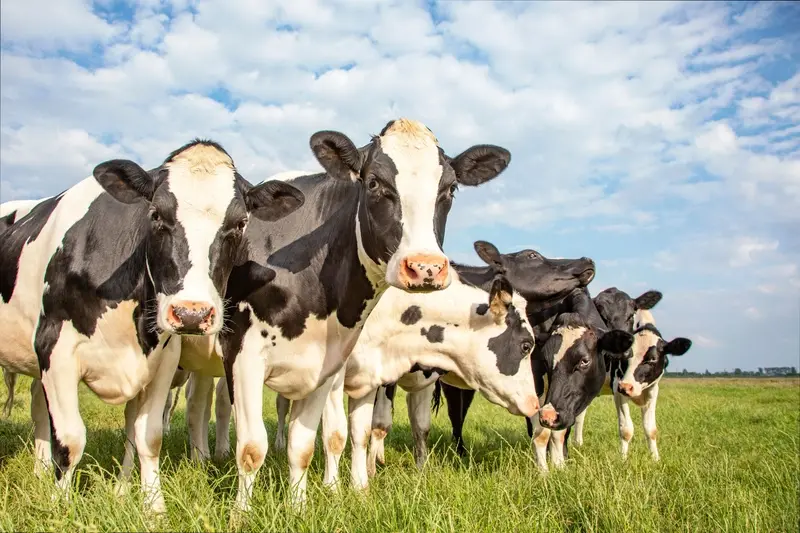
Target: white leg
[(360, 431), (11, 381), (41, 429), (124, 479), (148, 427), (199, 389), (649, 422), (334, 431), (541, 436), (303, 423), (381, 425), (625, 423), (577, 429), (222, 409), (419, 414), (557, 447), (251, 434), (282, 406)]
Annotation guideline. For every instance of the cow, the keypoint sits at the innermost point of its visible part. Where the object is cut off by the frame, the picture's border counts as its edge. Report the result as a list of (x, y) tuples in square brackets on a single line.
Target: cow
[(374, 219), (11, 212), (541, 281), (98, 282), (637, 377), (546, 298), (481, 340)]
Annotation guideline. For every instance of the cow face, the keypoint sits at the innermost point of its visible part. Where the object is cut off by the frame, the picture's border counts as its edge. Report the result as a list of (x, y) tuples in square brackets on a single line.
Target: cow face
[(576, 369), (648, 361), (503, 350), (407, 188), (536, 277), (195, 208), (618, 309)]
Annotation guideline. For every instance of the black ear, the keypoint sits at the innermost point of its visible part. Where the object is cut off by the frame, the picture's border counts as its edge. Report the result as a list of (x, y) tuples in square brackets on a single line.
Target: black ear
[(126, 181), (8, 220), (273, 200), (500, 297), (247, 278), (648, 300), (615, 342), (480, 164), (677, 346), (488, 253), (337, 154)]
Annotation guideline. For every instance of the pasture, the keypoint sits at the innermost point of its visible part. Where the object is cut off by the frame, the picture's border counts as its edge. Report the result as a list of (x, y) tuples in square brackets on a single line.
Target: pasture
[(729, 449)]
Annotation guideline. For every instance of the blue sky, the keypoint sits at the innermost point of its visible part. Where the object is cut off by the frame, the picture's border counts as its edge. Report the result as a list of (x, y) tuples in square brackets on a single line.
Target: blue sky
[(660, 139)]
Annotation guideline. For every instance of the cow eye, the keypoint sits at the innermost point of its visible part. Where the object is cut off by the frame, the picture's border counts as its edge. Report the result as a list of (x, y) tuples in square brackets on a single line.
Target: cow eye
[(241, 225), (526, 347), (584, 362), (154, 216), (533, 255), (372, 184), (453, 189)]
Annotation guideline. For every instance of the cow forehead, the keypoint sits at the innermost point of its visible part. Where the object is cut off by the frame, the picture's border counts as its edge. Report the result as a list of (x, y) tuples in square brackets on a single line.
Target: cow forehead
[(414, 151), (642, 342), (569, 336), (202, 179)]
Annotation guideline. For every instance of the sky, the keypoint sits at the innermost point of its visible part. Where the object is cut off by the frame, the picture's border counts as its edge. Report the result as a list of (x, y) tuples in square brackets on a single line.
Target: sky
[(660, 139)]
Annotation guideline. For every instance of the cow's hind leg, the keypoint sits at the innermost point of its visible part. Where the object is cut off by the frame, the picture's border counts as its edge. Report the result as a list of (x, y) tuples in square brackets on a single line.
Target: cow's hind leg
[(282, 407), (334, 431), (222, 409), (10, 379), (419, 414), (381, 425), (360, 431)]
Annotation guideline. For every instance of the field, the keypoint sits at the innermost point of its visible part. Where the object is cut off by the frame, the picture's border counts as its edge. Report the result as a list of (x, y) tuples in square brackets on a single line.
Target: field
[(729, 462)]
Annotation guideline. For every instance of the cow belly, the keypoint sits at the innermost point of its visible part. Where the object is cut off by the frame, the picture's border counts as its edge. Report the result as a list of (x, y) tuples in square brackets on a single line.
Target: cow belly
[(416, 381), (16, 342), (455, 381)]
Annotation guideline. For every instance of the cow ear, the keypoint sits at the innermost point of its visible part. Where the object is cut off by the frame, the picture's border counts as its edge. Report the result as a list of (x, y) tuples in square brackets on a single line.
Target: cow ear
[(488, 253), (648, 300), (337, 154), (500, 297), (273, 200), (479, 164), (677, 346), (247, 278), (615, 342), (124, 180)]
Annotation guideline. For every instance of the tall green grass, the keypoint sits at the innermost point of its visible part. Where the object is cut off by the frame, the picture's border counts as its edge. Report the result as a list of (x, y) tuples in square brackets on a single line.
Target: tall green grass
[(729, 462)]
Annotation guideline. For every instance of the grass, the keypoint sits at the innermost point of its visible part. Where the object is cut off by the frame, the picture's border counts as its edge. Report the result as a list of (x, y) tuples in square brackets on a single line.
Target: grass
[(729, 462)]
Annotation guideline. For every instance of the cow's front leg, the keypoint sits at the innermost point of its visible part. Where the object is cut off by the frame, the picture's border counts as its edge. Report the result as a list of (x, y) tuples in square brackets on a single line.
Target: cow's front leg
[(148, 426), (41, 429), (649, 421), (624, 422), (557, 440), (222, 410), (578, 427), (303, 424), (11, 381), (199, 391), (334, 431), (251, 434), (360, 431), (282, 407), (124, 478)]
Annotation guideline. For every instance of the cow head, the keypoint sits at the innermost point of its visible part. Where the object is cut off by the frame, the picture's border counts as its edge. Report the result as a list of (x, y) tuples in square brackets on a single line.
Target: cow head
[(618, 309), (195, 207), (407, 188), (576, 370), (648, 361), (534, 276)]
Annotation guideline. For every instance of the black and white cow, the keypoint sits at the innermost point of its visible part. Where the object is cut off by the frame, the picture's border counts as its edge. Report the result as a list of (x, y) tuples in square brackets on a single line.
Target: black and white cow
[(97, 280), (637, 377), (574, 360), (375, 219), (542, 282)]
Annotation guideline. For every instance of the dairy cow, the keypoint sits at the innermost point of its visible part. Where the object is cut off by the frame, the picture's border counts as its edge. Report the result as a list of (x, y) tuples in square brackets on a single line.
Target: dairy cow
[(96, 281)]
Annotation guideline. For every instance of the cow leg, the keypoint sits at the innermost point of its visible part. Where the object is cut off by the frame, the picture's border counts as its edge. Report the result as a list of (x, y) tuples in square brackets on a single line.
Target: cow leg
[(199, 390), (361, 420), (251, 434), (148, 429), (458, 402), (334, 431), (557, 444), (41, 429), (168, 410), (124, 478), (649, 422), (222, 410), (282, 406), (11, 381), (419, 414), (625, 423), (303, 423), (541, 436), (381, 425), (579, 428)]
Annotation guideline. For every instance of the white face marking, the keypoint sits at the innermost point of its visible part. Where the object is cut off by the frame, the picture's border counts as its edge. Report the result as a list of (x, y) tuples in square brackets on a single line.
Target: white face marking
[(569, 336), (415, 153), (642, 342), (642, 317), (202, 180)]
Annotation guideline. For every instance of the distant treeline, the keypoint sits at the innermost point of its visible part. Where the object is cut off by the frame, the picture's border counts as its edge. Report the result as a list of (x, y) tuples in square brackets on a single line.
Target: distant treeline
[(768, 372)]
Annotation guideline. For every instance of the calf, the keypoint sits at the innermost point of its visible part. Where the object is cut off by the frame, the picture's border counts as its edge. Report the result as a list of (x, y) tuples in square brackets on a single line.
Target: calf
[(375, 219), (484, 345), (575, 360), (97, 280)]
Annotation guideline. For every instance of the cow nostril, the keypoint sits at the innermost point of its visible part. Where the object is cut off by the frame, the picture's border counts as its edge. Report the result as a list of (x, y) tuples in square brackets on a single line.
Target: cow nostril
[(409, 271)]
